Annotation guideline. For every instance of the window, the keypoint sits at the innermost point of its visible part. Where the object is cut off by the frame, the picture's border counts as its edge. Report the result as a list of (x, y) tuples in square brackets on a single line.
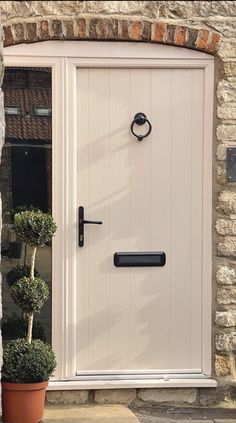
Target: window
[(42, 111), (12, 111)]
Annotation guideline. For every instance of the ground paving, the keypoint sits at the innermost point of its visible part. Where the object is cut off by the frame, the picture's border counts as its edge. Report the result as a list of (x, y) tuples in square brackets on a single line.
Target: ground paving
[(122, 414), (89, 414), (188, 415)]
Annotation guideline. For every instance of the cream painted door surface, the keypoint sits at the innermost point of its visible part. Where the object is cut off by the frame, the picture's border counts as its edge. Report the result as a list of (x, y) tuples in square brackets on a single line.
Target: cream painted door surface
[(149, 197)]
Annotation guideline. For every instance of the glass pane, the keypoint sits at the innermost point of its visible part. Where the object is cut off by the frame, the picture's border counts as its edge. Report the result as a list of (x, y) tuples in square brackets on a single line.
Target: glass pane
[(26, 182)]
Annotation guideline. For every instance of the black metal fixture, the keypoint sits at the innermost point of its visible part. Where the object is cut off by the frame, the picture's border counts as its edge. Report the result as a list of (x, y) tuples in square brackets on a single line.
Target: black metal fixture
[(140, 259), (231, 164), (83, 222), (140, 119)]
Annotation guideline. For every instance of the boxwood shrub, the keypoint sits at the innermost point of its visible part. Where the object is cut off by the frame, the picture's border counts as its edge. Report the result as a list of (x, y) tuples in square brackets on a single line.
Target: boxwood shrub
[(30, 294), (34, 227), (27, 363)]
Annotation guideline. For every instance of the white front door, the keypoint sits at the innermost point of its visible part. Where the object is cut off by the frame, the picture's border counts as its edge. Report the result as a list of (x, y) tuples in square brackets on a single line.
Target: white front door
[(142, 324), (149, 196)]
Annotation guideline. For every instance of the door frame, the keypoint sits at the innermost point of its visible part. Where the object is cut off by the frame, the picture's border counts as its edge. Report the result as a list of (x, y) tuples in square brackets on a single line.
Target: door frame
[(64, 57)]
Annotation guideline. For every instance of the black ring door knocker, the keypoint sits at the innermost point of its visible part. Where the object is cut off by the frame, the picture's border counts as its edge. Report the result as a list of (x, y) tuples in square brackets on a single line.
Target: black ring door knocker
[(139, 119)]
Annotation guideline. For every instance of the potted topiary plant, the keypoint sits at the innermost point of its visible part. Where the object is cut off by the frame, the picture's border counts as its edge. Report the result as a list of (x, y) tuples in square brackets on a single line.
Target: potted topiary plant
[(28, 363)]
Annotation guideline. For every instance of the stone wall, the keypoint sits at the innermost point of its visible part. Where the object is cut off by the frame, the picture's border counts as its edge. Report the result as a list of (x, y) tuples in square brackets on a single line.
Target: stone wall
[(193, 24)]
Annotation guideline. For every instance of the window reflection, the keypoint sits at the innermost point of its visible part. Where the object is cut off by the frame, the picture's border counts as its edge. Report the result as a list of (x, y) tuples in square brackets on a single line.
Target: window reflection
[(26, 180)]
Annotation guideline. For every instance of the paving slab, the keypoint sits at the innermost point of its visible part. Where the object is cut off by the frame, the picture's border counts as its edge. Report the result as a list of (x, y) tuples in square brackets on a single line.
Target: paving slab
[(154, 419), (184, 415), (89, 414), (225, 420)]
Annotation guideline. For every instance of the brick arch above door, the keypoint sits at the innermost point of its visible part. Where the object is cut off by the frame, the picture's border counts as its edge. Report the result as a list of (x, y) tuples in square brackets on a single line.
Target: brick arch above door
[(112, 29)]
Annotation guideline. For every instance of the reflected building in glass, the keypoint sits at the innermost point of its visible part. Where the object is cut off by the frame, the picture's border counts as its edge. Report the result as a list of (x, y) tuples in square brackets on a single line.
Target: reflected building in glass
[(26, 181)]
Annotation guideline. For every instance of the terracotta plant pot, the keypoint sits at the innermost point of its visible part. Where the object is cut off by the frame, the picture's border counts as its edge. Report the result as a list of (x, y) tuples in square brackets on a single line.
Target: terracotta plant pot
[(23, 402)]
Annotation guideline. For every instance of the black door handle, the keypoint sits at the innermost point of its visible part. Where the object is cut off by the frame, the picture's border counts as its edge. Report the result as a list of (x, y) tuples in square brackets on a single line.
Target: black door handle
[(83, 222), (94, 222)]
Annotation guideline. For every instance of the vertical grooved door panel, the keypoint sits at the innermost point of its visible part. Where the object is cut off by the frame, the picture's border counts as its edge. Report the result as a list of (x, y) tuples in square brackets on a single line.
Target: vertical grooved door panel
[(148, 195), (160, 215), (181, 217), (140, 189)]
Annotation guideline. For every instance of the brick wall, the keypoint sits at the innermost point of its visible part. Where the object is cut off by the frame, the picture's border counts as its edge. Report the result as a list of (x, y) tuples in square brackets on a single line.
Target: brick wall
[(203, 25)]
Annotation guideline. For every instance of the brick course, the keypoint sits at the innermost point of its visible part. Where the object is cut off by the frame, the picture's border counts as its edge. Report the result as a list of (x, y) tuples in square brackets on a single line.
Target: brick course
[(100, 28)]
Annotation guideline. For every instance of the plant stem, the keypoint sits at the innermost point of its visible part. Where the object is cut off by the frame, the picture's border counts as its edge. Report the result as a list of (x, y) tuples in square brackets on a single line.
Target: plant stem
[(25, 255), (32, 264), (30, 327), (31, 315)]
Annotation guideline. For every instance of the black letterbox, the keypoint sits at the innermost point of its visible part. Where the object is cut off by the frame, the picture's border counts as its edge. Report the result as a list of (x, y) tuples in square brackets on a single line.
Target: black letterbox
[(139, 259)]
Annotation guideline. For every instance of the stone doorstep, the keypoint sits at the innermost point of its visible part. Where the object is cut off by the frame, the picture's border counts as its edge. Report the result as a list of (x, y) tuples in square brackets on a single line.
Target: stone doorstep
[(89, 414)]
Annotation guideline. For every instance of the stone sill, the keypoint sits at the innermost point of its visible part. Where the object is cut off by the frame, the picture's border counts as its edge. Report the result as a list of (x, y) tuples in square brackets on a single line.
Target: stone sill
[(124, 384)]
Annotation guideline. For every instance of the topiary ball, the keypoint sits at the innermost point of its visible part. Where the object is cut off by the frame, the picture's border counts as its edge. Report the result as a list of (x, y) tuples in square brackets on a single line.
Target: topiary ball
[(27, 363), (17, 273), (30, 294), (34, 227)]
